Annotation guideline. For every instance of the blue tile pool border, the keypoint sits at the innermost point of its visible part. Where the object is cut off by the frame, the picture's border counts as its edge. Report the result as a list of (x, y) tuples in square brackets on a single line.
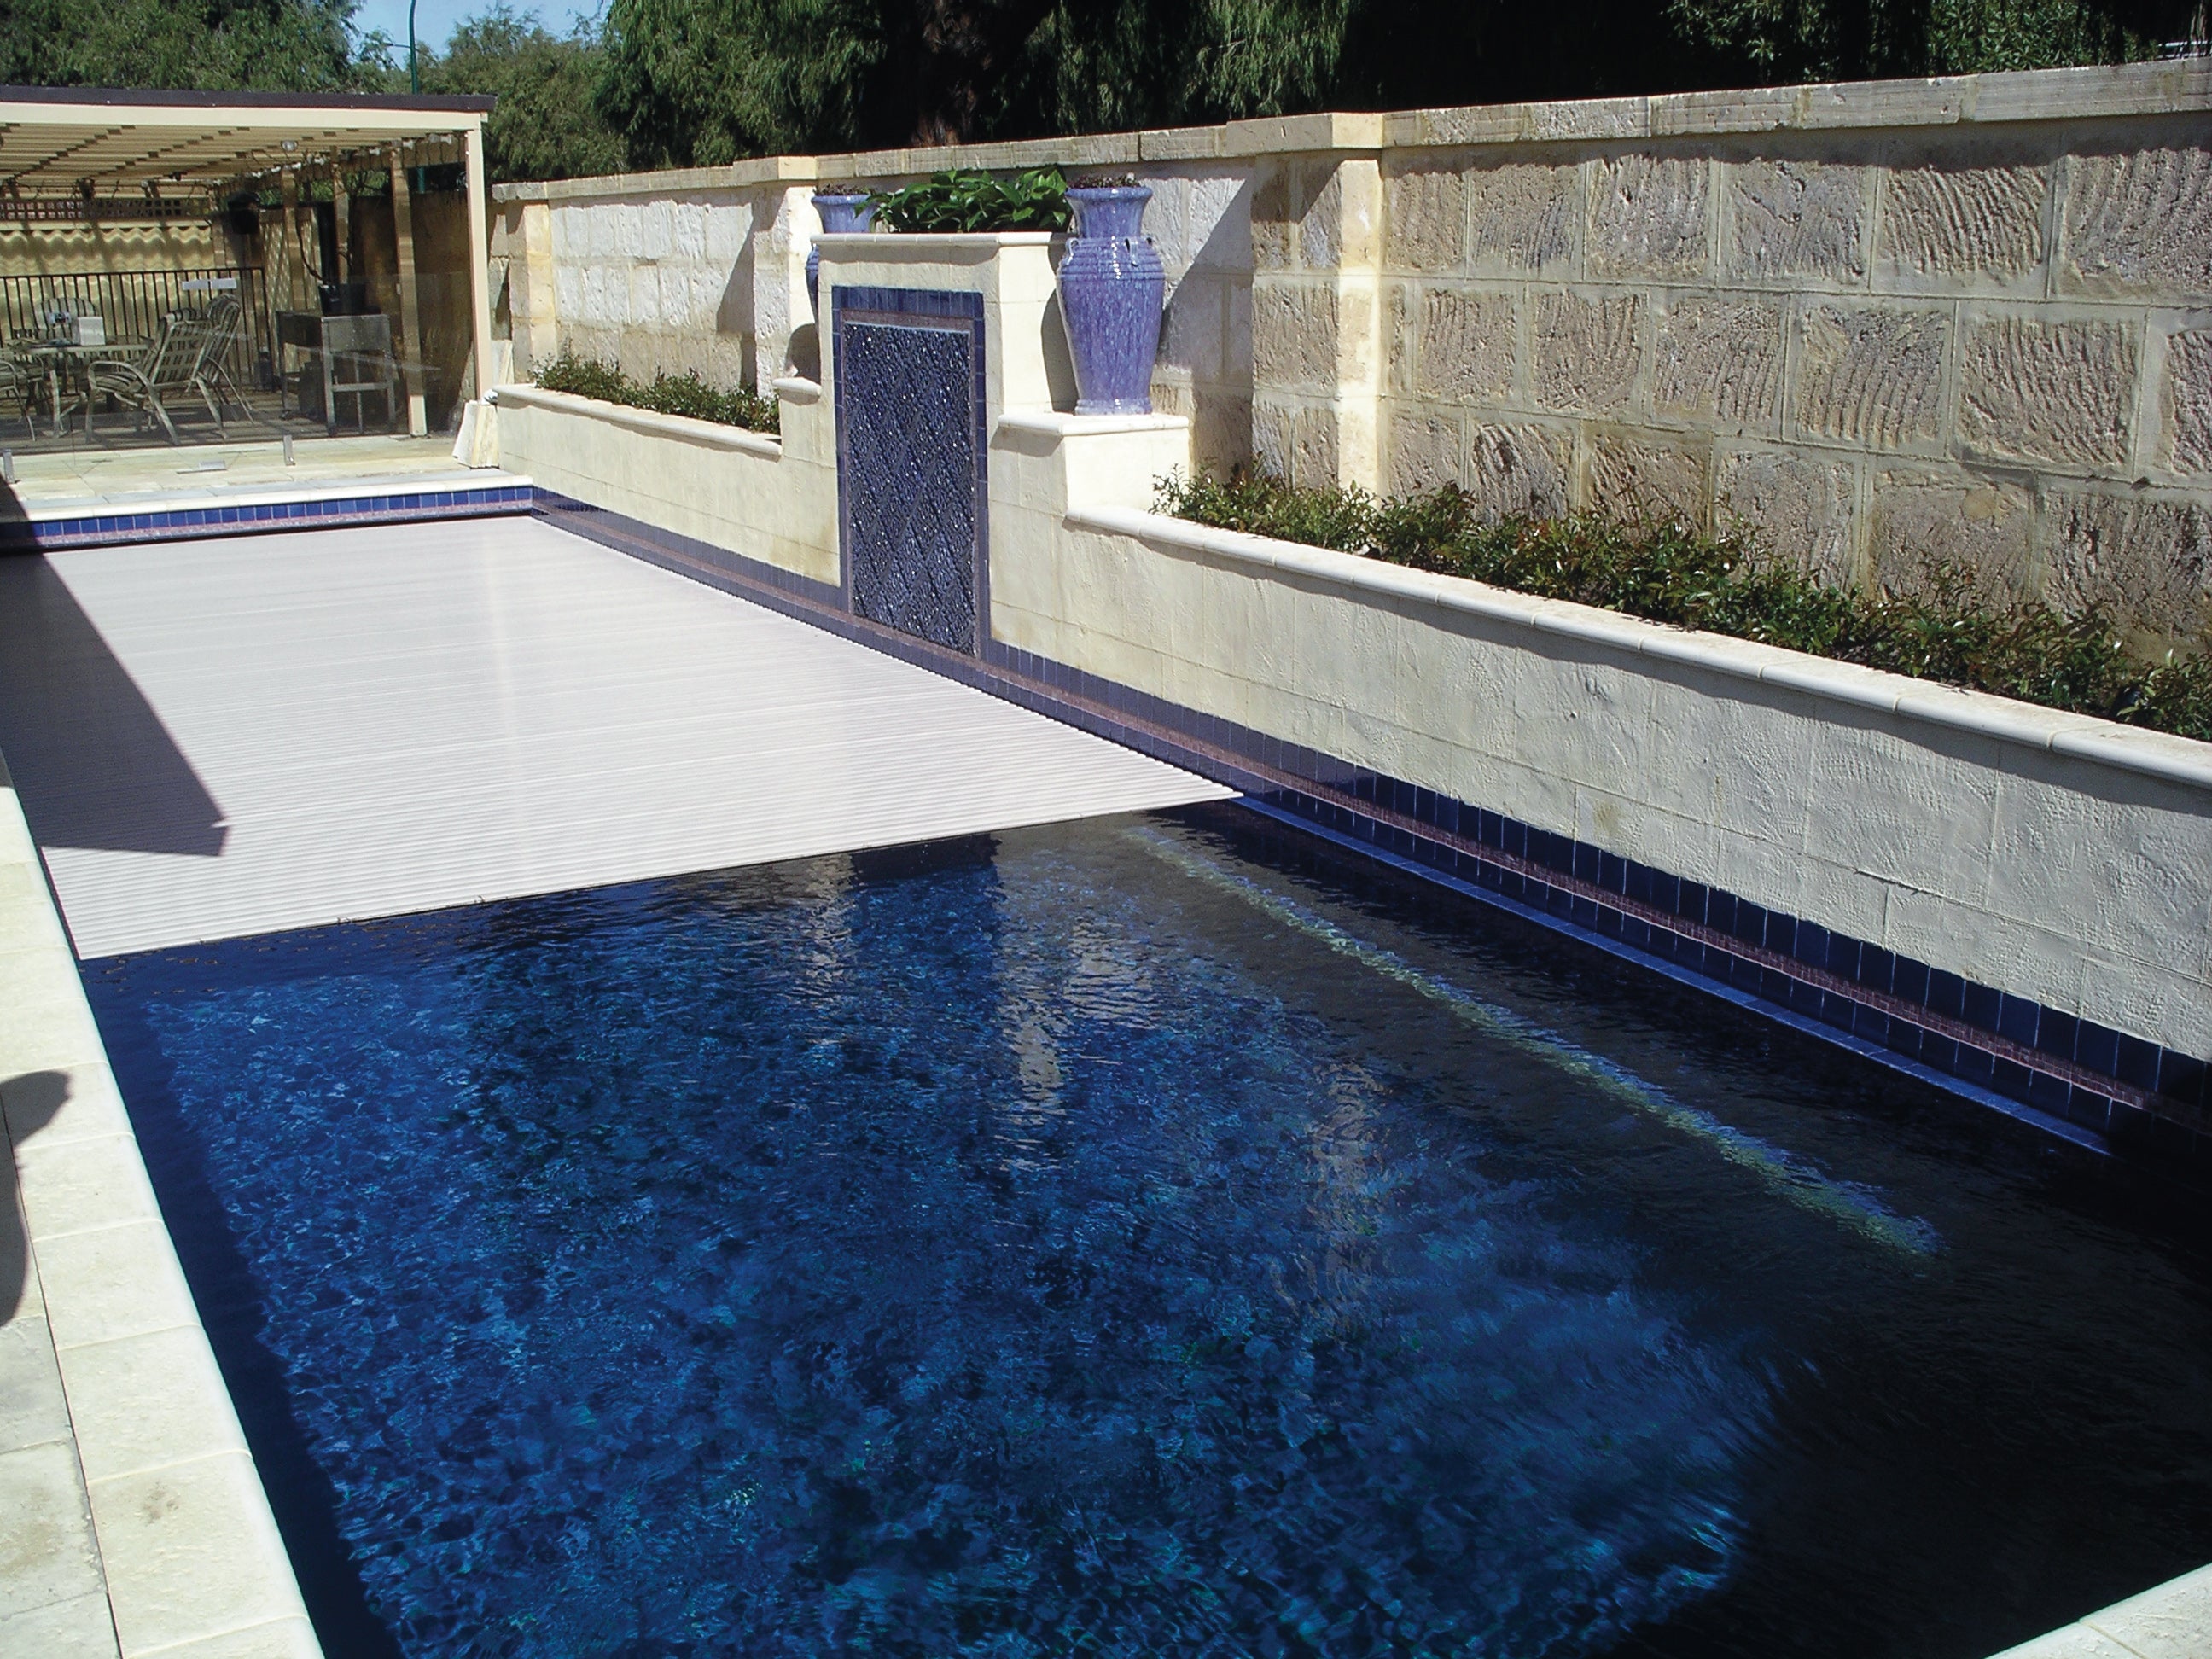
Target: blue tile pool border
[(185, 524)]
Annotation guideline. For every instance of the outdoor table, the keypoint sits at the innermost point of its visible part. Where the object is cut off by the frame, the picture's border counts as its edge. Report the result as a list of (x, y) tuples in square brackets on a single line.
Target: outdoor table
[(353, 353), (64, 358)]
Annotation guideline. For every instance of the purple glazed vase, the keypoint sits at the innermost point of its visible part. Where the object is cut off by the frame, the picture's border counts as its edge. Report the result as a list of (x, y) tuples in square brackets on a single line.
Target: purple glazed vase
[(840, 212), (1112, 290)]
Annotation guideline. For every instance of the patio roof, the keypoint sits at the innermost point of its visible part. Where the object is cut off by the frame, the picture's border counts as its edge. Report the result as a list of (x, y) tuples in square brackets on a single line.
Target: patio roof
[(60, 139)]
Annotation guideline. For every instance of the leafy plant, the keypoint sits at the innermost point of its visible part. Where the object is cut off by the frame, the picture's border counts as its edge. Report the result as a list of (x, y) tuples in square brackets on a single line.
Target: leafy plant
[(959, 200), (1670, 573), (668, 394)]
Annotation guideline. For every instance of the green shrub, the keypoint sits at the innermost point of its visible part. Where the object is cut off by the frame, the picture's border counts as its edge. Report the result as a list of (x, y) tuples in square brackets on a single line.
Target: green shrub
[(669, 394), (965, 201), (1671, 573)]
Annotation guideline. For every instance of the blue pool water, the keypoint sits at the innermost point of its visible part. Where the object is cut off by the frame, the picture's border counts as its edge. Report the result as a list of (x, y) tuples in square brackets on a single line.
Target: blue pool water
[(1146, 1236)]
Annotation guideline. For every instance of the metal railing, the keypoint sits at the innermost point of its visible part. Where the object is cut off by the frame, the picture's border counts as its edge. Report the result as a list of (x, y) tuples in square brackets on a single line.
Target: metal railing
[(132, 303)]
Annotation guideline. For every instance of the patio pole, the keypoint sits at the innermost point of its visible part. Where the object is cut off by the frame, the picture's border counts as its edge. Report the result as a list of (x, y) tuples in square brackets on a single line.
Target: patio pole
[(411, 313), (288, 186), (479, 262)]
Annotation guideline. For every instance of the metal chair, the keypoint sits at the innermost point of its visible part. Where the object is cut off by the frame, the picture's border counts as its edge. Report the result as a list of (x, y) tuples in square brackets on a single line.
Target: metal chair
[(224, 320), (19, 384), (171, 364)]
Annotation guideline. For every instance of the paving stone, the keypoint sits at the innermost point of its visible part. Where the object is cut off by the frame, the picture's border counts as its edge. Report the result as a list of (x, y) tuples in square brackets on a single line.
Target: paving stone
[(46, 1550), (1648, 216), (1797, 219), (2146, 560), (1519, 469), (1521, 216), (1587, 350), (1466, 342), (1719, 359), (1872, 376), (1923, 520), (2051, 390), (79, 1628), (1945, 218), (2188, 401), (1797, 506), (1426, 214), (2139, 219), (1658, 475)]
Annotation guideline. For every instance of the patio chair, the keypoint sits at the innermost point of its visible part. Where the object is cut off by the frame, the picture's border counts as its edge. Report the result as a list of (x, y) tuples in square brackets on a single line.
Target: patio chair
[(21, 385), (171, 364), (224, 318)]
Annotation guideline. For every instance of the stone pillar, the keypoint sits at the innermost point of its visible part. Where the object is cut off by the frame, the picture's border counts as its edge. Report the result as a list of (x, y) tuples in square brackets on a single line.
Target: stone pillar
[(525, 231), (410, 310), (1316, 284)]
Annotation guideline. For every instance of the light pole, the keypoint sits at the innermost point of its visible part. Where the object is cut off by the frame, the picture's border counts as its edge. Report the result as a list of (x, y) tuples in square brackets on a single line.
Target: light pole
[(414, 68)]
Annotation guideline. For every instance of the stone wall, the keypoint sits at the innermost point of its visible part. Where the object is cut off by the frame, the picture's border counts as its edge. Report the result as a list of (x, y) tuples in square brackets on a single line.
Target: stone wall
[(1881, 325)]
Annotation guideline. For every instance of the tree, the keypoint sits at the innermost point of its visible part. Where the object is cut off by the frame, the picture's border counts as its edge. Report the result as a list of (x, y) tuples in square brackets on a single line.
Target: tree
[(545, 124), (289, 45)]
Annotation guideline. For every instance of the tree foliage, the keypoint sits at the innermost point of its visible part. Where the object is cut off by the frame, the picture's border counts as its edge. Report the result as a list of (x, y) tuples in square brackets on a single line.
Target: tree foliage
[(287, 46), (545, 124)]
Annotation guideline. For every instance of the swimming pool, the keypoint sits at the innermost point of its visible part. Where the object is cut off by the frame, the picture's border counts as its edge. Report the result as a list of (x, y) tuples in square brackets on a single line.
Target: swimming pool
[(1153, 1234)]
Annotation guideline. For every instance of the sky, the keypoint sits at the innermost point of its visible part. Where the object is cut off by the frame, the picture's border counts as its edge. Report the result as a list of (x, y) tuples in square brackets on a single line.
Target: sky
[(435, 19)]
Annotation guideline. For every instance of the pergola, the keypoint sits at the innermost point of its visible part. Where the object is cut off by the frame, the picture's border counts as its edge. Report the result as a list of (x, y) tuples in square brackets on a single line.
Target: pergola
[(73, 141)]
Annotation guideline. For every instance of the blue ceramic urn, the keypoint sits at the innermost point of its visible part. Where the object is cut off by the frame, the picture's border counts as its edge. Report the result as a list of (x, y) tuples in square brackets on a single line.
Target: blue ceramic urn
[(1112, 288), (840, 212)]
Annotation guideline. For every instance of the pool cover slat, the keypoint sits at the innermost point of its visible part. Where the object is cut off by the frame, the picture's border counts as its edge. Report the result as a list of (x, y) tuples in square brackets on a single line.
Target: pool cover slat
[(220, 738)]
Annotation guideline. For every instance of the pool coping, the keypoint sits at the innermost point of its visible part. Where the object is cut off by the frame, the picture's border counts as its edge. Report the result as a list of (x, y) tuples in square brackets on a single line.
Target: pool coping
[(183, 1536), (2172, 1620)]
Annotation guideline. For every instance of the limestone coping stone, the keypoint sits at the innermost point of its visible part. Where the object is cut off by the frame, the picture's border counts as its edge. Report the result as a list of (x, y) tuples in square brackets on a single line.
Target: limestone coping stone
[(2160, 754), (709, 435), (192, 1557), (2173, 1621), (2096, 92)]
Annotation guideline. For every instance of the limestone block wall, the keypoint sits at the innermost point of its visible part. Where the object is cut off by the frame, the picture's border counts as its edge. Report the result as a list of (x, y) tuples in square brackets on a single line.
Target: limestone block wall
[(1880, 325)]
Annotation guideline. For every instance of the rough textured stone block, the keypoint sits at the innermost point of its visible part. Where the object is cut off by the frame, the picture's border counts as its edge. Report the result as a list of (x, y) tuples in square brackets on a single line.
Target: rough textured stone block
[(1519, 469), (1295, 443), (1466, 345), (1221, 429), (1424, 451), (1872, 377), (1220, 230), (2188, 401), (1586, 351), (1922, 521), (1944, 220), (1294, 335), (1794, 506), (1274, 221), (1648, 476), (1521, 216), (2146, 560), (2060, 391), (2139, 219), (1648, 218), (1797, 219), (1426, 214), (1719, 358)]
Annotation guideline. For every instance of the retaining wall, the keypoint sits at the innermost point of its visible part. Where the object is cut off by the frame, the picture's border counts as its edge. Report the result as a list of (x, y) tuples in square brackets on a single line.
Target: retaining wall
[(1880, 323)]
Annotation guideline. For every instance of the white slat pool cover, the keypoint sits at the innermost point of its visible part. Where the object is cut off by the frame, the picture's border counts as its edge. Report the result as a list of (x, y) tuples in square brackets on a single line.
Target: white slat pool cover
[(233, 737)]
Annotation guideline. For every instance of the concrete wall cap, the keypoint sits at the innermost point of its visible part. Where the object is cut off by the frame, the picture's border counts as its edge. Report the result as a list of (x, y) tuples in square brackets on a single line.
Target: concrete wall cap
[(2082, 736), (1054, 423), (797, 389), (712, 435)]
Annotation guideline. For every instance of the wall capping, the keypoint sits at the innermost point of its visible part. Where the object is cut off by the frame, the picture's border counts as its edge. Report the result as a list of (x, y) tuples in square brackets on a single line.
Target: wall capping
[(2160, 754), (711, 434)]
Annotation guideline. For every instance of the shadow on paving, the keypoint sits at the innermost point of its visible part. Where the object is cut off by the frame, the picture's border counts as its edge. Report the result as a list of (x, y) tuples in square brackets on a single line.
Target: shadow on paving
[(92, 763)]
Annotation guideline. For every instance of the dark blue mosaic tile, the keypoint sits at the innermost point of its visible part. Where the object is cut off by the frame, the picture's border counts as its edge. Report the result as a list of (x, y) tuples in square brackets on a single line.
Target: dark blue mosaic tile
[(2011, 1079), (1513, 838), (1746, 974), (1610, 921), (1636, 931), (1838, 1010), (1904, 1038), (1806, 999), (1583, 912), (1750, 922), (1666, 893), (1843, 956), (1513, 885), (2181, 1077), (1690, 903), (1947, 995), (1781, 933), (1774, 986), (1940, 1052), (2048, 1093), (2054, 1034), (1870, 1024), (2129, 1128), (2138, 1062), (2018, 1019), (1611, 872), (1876, 967), (2088, 1108), (1975, 1064), (1811, 947), (1982, 1006), (1720, 909), (1585, 862), (2097, 1047), (1636, 882), (1908, 980)]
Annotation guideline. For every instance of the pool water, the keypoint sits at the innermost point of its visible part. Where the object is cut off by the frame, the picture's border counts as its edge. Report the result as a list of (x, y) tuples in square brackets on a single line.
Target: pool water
[(1151, 1236)]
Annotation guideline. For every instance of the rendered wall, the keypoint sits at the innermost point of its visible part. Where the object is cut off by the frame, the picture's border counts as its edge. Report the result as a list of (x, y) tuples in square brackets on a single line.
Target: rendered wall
[(1965, 319)]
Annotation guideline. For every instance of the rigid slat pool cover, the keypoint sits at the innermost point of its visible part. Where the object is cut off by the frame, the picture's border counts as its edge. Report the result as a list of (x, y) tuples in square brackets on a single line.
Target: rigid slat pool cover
[(220, 738)]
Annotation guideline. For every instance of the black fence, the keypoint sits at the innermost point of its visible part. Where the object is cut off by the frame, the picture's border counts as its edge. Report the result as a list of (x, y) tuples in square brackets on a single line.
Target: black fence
[(132, 303)]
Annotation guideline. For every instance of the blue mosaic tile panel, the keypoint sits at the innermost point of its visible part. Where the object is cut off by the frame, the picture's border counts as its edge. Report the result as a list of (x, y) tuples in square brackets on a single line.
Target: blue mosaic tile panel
[(909, 371), (192, 523)]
